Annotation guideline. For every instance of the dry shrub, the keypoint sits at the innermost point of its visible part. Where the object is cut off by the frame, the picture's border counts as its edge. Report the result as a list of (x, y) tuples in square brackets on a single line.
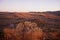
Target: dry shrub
[(24, 31), (9, 33), (55, 35), (31, 31)]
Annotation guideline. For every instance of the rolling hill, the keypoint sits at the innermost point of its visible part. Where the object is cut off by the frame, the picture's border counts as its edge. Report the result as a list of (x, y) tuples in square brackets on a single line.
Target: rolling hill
[(30, 25)]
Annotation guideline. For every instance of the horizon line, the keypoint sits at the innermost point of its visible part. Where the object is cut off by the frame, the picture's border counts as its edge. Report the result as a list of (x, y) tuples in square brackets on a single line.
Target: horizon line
[(31, 11)]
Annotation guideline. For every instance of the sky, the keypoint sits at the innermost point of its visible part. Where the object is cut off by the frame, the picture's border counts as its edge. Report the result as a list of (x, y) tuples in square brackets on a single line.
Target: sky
[(29, 5)]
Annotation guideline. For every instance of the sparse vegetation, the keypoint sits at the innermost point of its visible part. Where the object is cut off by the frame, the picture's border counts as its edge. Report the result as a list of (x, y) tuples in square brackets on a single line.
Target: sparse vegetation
[(19, 26)]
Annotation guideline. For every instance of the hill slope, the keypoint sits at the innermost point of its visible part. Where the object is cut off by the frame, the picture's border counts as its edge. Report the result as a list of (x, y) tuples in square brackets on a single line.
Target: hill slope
[(30, 25)]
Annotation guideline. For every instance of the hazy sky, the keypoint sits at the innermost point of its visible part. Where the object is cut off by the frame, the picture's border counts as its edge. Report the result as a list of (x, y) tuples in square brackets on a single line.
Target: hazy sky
[(29, 5)]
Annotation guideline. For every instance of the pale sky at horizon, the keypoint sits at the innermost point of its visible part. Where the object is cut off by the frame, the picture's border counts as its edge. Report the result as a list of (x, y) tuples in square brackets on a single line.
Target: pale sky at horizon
[(29, 5)]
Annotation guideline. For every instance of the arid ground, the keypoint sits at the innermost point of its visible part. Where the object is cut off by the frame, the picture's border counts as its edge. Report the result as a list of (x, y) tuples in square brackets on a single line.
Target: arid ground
[(30, 25)]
